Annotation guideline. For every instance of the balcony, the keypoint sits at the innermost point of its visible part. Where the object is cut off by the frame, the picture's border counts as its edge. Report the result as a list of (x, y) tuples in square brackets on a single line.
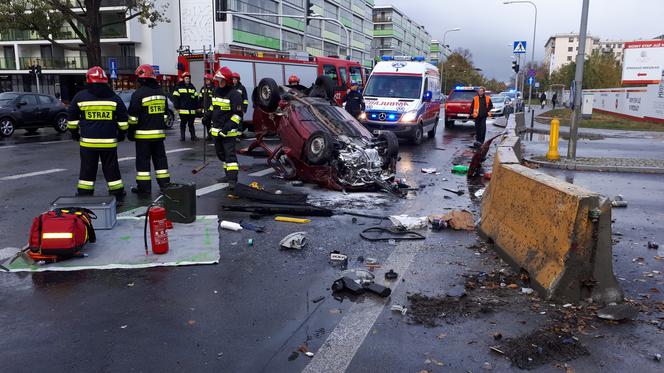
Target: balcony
[(128, 63), (64, 33), (377, 19), (7, 63)]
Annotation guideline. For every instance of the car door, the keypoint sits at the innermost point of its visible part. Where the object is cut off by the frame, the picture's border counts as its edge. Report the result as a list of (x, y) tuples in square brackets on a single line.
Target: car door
[(46, 109), (29, 108)]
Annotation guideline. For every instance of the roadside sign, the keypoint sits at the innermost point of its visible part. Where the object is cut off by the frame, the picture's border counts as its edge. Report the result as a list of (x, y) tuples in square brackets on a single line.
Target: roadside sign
[(113, 67), (155, 68), (519, 47), (531, 72), (537, 85), (531, 80)]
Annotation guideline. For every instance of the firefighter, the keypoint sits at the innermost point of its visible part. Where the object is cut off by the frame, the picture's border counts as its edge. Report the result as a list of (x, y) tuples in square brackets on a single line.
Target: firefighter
[(205, 97), (354, 100), (97, 119), (147, 110), (225, 116), (185, 98), (242, 90), (294, 82)]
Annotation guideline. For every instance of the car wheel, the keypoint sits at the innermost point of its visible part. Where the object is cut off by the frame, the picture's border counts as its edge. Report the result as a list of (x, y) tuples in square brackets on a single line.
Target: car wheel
[(318, 147), (391, 144), (268, 95), (418, 136), (170, 119), (449, 124), (432, 133), (6, 127), (61, 123)]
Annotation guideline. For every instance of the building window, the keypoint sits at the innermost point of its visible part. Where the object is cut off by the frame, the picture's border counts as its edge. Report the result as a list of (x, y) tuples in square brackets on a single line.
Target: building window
[(571, 40), (251, 7), (569, 58), (292, 41), (569, 49)]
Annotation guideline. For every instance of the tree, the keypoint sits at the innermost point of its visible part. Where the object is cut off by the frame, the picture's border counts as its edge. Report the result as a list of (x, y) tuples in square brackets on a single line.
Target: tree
[(47, 17), (458, 69), (494, 85), (600, 71)]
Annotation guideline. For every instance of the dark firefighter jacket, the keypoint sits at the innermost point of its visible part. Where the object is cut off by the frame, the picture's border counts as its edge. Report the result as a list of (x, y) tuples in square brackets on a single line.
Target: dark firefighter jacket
[(99, 116), (205, 101), (225, 113), (245, 99), (354, 103), (185, 98), (147, 110)]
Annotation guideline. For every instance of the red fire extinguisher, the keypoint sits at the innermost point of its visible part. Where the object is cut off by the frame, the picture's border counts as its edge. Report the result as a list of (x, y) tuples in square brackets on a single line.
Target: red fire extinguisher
[(156, 215)]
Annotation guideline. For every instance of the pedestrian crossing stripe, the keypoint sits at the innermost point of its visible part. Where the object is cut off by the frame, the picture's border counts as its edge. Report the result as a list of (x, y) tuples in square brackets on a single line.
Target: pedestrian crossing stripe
[(519, 47)]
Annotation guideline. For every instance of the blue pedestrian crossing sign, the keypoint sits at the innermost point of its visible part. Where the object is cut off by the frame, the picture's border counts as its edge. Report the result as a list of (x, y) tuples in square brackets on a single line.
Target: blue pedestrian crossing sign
[(519, 47)]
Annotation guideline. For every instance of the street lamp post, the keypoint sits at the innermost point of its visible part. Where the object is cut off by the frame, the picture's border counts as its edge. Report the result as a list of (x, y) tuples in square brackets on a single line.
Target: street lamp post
[(578, 82), (445, 46), (532, 56)]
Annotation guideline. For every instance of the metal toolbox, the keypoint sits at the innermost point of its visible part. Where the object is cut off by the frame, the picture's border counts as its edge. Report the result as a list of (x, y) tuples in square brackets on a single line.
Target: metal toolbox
[(102, 206)]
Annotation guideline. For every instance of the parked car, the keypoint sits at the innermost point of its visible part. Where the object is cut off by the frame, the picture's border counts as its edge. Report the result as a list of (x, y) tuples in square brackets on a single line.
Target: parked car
[(30, 111), (516, 98), (501, 105), (458, 103), (170, 110), (320, 142)]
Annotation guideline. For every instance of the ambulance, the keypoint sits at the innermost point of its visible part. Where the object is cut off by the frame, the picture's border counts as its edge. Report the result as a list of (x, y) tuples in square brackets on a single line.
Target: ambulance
[(403, 95)]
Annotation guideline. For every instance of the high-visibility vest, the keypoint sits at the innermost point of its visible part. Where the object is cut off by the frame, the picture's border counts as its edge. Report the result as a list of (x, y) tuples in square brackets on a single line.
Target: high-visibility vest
[(476, 105)]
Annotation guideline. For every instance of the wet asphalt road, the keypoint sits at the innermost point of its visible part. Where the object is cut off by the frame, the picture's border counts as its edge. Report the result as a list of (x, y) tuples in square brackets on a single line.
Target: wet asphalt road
[(254, 309)]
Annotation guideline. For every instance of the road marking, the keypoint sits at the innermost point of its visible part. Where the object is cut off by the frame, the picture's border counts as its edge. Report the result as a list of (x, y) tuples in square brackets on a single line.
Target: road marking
[(167, 152), (264, 172), (29, 174), (210, 189), (342, 344), (52, 142)]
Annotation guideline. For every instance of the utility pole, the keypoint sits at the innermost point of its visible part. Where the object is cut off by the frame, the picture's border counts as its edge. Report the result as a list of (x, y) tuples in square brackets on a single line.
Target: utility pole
[(578, 82)]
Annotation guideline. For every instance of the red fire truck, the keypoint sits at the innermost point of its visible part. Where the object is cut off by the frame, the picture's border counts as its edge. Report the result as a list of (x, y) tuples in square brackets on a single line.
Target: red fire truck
[(254, 65)]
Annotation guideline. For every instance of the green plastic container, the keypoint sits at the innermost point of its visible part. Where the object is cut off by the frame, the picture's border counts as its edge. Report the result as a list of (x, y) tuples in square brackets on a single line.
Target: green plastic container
[(460, 169)]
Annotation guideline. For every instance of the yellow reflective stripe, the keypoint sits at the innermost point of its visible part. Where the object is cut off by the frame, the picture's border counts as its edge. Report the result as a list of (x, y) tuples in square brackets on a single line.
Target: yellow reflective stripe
[(151, 98), (150, 132), (214, 131), (57, 235), (154, 102), (99, 141), (160, 171), (123, 125), (143, 176), (231, 133), (220, 99), (246, 102), (236, 118), (133, 119), (87, 104), (93, 145), (185, 111), (84, 184), (116, 184), (161, 174), (176, 93)]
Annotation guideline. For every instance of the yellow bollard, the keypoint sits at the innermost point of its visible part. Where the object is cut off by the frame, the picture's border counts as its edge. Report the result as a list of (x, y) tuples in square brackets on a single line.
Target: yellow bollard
[(552, 154)]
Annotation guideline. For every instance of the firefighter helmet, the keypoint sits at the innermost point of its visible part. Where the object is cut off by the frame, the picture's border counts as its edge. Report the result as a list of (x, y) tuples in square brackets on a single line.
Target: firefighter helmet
[(96, 75), (208, 76), (293, 79), (145, 72), (224, 73), (185, 75), (236, 76)]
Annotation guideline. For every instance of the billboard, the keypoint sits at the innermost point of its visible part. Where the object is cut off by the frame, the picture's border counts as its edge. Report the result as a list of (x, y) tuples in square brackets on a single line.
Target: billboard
[(196, 23), (643, 62)]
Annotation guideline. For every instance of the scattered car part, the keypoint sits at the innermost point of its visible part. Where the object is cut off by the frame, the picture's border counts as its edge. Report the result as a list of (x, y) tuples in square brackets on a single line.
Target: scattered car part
[(618, 312), (429, 170), (653, 245), (391, 275), (457, 192), (287, 219), (274, 209), (295, 240), (338, 258), (316, 300), (229, 225), (347, 284), (380, 290), (480, 156), (438, 224), (399, 308), (360, 275), (249, 192), (371, 261), (253, 227), (396, 234), (408, 222)]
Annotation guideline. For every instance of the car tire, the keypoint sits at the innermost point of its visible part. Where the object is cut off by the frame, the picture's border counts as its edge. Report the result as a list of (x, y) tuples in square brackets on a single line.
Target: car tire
[(170, 119), (267, 95), (432, 133), (318, 148), (60, 123), (392, 144), (323, 86), (418, 136), (7, 127), (449, 124)]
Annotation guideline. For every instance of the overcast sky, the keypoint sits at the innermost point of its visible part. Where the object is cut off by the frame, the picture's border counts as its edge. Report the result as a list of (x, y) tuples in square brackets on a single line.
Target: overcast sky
[(488, 27)]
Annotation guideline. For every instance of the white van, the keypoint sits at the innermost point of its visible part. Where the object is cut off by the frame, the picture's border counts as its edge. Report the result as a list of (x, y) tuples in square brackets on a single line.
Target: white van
[(403, 95)]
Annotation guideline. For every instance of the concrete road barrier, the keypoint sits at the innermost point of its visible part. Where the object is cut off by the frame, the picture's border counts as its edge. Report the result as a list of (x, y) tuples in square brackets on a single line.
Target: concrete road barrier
[(558, 232)]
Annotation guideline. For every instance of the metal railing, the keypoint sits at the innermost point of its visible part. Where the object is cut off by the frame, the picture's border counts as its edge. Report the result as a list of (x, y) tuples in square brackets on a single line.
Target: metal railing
[(128, 63)]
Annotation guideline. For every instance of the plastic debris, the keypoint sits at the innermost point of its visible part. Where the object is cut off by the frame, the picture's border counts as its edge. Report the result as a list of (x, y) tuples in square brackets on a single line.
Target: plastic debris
[(250, 242), (371, 261), (391, 275), (287, 219), (618, 201), (309, 353), (296, 240), (527, 290), (429, 170), (657, 357), (399, 308), (229, 225), (618, 312), (460, 169), (479, 193), (653, 245), (338, 258), (408, 222), (438, 224)]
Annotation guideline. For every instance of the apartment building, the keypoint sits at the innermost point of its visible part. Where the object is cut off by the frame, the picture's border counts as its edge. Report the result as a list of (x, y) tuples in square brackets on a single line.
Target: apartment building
[(63, 71), (436, 52), (562, 49), (395, 34)]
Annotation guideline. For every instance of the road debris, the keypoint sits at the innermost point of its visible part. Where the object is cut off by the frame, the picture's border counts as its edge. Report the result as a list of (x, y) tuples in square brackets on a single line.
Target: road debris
[(229, 225), (431, 311), (408, 222), (457, 219), (543, 346), (318, 299), (618, 201), (657, 357), (348, 284), (338, 259), (617, 312), (438, 224), (460, 169), (429, 170), (253, 227), (287, 219), (399, 308), (391, 275), (527, 290), (457, 192), (296, 240), (497, 336), (250, 242), (653, 245)]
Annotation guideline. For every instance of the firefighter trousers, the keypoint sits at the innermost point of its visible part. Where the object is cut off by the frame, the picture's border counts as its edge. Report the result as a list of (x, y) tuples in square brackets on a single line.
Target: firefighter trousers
[(225, 148), (187, 120), (109, 165), (145, 151)]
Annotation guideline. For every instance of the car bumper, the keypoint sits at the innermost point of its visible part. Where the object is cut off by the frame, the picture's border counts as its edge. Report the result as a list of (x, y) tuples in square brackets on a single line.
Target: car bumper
[(399, 129), (498, 112), (457, 116)]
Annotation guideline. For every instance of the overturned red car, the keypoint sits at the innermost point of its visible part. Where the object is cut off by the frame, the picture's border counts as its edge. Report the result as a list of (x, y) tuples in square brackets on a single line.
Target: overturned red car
[(320, 142)]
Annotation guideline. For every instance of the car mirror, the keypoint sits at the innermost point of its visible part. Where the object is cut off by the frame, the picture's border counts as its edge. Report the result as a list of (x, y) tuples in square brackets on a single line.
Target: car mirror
[(427, 96)]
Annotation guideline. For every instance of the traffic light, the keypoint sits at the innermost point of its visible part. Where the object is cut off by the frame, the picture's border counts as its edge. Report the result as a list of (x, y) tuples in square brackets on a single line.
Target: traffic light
[(515, 67), (310, 11)]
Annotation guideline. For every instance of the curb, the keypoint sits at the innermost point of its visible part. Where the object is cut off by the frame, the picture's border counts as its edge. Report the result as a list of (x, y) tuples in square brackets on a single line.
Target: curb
[(587, 167)]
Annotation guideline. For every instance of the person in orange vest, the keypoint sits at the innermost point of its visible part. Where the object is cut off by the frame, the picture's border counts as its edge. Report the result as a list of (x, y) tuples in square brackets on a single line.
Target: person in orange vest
[(480, 109)]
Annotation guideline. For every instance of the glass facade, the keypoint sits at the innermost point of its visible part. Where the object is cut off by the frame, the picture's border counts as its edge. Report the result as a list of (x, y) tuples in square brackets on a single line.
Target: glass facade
[(394, 34), (322, 37)]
